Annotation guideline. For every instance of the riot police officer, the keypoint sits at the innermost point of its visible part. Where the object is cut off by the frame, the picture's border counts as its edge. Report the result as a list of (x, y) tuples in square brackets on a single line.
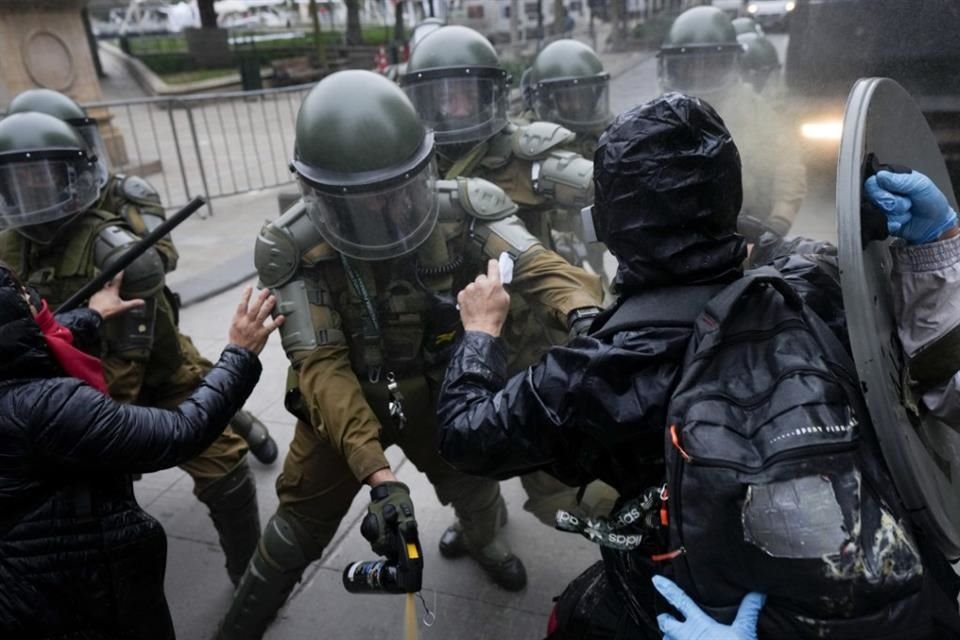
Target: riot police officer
[(760, 64), (57, 237), (567, 84), (700, 56), (364, 268), (455, 80), (135, 201)]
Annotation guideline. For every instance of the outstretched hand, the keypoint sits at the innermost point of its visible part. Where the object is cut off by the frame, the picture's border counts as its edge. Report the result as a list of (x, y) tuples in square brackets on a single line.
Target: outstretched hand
[(108, 303), (252, 324)]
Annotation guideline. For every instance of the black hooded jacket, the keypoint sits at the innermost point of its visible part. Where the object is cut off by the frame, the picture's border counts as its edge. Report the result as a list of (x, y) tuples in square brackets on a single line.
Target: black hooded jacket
[(78, 557)]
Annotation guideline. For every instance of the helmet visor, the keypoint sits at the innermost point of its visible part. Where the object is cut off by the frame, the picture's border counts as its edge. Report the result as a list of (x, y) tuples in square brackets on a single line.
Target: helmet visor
[(581, 105), (376, 224), (698, 73), (37, 191), (461, 109), (90, 133)]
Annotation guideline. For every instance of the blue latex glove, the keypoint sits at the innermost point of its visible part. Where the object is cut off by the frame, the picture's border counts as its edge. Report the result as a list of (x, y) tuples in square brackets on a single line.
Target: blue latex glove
[(916, 209), (697, 625)]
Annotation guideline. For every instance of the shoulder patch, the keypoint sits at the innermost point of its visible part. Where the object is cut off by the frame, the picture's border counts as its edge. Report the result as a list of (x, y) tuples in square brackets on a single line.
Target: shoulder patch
[(139, 190), (484, 200), (533, 141)]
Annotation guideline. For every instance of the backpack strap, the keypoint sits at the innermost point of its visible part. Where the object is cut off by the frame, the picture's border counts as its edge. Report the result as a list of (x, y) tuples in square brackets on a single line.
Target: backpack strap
[(664, 307), (727, 303)]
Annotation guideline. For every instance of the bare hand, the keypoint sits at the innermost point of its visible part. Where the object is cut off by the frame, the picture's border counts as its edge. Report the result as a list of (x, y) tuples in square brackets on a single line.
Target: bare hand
[(484, 303), (252, 324), (108, 303)]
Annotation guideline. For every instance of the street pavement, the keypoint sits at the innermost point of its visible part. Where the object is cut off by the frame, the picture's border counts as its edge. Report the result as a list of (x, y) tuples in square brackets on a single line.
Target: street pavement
[(216, 261)]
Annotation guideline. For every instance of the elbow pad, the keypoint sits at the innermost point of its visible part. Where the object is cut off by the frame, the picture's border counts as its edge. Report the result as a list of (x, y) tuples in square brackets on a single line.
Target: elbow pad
[(565, 178), (144, 277)]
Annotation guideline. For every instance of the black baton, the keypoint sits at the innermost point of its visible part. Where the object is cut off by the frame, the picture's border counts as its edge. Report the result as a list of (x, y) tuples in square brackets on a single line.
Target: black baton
[(132, 254)]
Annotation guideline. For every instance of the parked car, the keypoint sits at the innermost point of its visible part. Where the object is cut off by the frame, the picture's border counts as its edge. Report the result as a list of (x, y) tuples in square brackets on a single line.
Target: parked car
[(771, 14)]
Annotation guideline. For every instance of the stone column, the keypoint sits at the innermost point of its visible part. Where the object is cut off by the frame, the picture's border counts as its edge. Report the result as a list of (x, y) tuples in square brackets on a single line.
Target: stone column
[(43, 44)]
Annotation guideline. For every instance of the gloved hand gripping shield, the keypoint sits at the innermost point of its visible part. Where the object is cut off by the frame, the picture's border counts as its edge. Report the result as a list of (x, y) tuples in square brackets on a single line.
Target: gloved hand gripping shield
[(884, 129), (47, 175)]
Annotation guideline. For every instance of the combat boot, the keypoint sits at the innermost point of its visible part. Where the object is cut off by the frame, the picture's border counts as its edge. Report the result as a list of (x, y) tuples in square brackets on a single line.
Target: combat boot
[(232, 500), (452, 542), (261, 443), (276, 567), (478, 537)]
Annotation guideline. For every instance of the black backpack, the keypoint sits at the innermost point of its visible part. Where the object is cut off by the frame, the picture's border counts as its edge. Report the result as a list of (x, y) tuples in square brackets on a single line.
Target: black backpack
[(775, 480)]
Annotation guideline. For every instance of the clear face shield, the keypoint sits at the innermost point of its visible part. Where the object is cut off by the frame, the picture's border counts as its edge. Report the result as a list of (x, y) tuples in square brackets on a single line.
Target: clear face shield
[(464, 108), (37, 191), (90, 133), (580, 105), (698, 72), (376, 224)]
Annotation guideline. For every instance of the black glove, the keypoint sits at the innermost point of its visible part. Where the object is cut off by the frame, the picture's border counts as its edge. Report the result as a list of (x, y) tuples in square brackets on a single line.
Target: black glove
[(580, 320), (390, 510)]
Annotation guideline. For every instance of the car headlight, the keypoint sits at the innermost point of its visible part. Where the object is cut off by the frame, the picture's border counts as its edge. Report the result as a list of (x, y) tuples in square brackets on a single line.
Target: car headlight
[(752, 8), (822, 130), (790, 6)]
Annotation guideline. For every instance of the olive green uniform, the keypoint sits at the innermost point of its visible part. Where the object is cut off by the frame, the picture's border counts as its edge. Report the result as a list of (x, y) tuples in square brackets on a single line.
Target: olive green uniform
[(158, 368)]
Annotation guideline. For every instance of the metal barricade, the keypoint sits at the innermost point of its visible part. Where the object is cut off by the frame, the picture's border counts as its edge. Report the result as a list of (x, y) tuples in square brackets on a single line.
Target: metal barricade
[(217, 144)]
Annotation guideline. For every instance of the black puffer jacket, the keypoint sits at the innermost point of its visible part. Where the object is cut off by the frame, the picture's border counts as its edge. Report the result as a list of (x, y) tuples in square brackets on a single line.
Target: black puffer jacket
[(78, 557)]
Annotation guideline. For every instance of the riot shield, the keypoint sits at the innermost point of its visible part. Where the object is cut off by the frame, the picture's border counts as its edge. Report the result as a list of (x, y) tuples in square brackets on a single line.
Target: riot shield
[(883, 122)]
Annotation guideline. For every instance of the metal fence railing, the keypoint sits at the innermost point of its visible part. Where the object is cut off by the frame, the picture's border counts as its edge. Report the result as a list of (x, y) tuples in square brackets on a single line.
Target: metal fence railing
[(217, 145)]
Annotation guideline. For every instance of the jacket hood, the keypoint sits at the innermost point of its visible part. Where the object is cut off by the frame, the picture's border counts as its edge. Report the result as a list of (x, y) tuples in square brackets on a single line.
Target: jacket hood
[(668, 192), (23, 349)]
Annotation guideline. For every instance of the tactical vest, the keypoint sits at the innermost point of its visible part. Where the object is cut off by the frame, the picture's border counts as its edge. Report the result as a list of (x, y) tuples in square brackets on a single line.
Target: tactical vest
[(400, 315)]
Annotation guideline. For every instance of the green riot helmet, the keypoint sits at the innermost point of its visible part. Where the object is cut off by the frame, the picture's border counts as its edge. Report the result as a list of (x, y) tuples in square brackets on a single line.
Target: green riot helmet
[(566, 84), (62, 107), (455, 82), (47, 175), (700, 54), (746, 25), (422, 29), (364, 161), (759, 60)]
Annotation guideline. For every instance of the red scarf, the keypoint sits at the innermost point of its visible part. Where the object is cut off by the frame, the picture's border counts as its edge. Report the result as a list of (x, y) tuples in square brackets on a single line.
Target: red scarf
[(76, 363)]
